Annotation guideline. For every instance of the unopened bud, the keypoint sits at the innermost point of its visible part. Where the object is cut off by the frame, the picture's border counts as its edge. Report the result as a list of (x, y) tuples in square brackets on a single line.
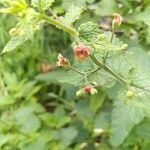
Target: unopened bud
[(101, 37), (13, 32), (93, 91), (130, 94), (79, 93), (124, 46), (62, 61), (117, 20)]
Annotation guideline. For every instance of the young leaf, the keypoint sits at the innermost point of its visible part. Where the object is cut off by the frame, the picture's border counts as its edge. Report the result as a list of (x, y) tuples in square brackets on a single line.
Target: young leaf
[(104, 47), (42, 4), (72, 15), (23, 31), (89, 31)]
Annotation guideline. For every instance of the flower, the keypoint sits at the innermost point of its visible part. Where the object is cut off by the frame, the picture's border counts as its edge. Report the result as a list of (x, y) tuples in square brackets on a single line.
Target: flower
[(81, 52), (89, 89), (86, 89), (117, 19), (62, 61)]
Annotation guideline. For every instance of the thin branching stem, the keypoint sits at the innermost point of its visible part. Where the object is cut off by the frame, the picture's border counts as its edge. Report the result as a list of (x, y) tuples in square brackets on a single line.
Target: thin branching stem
[(77, 71), (106, 68)]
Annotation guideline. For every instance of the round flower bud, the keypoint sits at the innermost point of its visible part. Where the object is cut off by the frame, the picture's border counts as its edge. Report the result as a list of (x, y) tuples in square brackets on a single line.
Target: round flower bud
[(79, 93), (130, 94), (87, 88), (124, 46), (13, 32), (117, 20), (62, 61), (93, 91), (101, 37), (81, 52)]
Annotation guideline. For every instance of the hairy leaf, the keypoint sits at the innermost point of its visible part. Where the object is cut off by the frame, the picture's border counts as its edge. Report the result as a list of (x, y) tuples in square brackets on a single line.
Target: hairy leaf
[(23, 31), (62, 76), (89, 31), (72, 15), (124, 117), (42, 4)]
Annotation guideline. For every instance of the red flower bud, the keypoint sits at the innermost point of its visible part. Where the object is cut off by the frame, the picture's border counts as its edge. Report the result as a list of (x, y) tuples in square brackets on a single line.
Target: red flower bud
[(87, 88), (81, 52), (62, 61), (117, 19)]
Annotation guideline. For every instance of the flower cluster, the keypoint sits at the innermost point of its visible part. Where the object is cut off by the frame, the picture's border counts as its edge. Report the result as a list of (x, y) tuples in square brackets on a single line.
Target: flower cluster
[(86, 89)]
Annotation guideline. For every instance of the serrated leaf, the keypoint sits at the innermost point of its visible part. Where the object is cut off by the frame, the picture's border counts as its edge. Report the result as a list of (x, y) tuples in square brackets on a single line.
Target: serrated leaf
[(65, 137), (124, 117), (44, 4), (88, 31), (131, 109), (72, 15), (14, 43), (23, 31), (62, 76), (143, 130), (105, 47)]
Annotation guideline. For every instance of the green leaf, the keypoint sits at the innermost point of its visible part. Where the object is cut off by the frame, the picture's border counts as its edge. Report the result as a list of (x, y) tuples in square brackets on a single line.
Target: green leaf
[(27, 120), (102, 120), (14, 43), (89, 31), (102, 10), (143, 130), (4, 138), (72, 15), (57, 119), (142, 17), (124, 117), (66, 136), (104, 47), (42, 4), (96, 101), (132, 110), (62, 76), (23, 31), (6, 100)]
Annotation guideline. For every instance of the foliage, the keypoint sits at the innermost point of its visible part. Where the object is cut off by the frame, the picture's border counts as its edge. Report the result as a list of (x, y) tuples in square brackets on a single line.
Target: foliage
[(43, 106)]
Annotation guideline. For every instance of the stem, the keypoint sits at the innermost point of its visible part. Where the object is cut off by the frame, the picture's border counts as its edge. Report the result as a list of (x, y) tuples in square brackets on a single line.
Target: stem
[(40, 8), (93, 71), (112, 36), (3, 90), (77, 71), (58, 24), (106, 68)]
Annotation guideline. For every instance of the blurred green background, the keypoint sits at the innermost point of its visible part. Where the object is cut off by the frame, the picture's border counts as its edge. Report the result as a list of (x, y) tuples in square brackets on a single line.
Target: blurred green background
[(37, 113)]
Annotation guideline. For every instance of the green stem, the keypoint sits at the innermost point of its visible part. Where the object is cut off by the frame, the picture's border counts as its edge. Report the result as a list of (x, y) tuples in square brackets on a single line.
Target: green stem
[(106, 68), (93, 71), (3, 90), (77, 71), (58, 24), (112, 36), (40, 8)]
